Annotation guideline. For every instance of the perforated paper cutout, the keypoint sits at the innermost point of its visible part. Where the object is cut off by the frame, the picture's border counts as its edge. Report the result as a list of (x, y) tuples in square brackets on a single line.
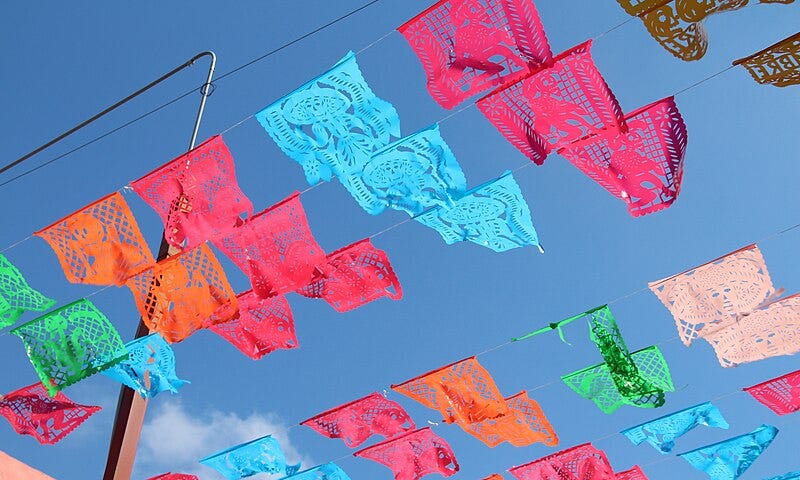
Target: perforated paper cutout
[(781, 394), (262, 455), (100, 244), (333, 124), (582, 462), (184, 293), (149, 368), (174, 476), (523, 425), (32, 412), (70, 344), (493, 476), (16, 296), (662, 432), (275, 248), (786, 476), (263, 325), (777, 65), (494, 215), (354, 276), (642, 166), (469, 46), (414, 455), (634, 473), (328, 471), (196, 195), (413, 174), (463, 392), (729, 459), (554, 106), (356, 421)]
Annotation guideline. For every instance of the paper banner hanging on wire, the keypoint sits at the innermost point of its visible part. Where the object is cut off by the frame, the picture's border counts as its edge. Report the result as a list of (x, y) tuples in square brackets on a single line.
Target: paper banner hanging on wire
[(70, 344), (469, 46), (523, 425), (149, 368), (554, 106), (413, 455), (575, 462), (16, 296), (642, 166), (32, 412), (262, 455), (777, 65), (328, 471), (662, 432), (786, 476), (356, 421), (174, 476), (196, 195), (333, 124), (634, 473), (494, 215), (184, 293), (781, 394), (100, 244), (728, 459), (493, 476)]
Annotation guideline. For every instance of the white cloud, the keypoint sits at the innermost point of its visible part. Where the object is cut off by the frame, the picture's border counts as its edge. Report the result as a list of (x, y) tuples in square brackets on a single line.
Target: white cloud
[(174, 439)]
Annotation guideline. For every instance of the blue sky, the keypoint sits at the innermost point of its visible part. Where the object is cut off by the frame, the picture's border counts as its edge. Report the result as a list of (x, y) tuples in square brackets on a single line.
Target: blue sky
[(66, 61)]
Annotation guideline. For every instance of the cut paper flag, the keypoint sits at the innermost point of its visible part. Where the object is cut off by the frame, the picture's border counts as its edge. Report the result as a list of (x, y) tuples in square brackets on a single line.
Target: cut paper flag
[(149, 368), (493, 476), (787, 476), (333, 124), (262, 455), (100, 244), (16, 296), (781, 395), (463, 392), (642, 166), (328, 471), (634, 473), (32, 412), (196, 195), (554, 106), (414, 455), (263, 325), (678, 25), (662, 432), (777, 65), (70, 344), (469, 46), (354, 276), (184, 293), (523, 425), (174, 476), (413, 174), (597, 384), (494, 215), (729, 459), (275, 248), (583, 462), (356, 421)]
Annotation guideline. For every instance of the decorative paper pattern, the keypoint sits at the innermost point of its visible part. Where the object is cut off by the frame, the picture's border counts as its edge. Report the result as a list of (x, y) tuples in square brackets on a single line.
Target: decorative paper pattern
[(729, 459), (523, 425), (328, 471), (463, 392), (414, 455), (596, 383), (32, 412), (413, 174), (100, 244), (183, 294), (781, 395), (777, 65), (662, 432), (174, 476), (634, 473), (787, 476), (554, 106), (469, 46), (149, 369), (494, 476), (354, 276), (583, 462), (275, 248), (70, 344), (263, 325), (196, 195), (356, 421), (494, 215), (16, 296), (333, 124), (642, 166), (262, 455)]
